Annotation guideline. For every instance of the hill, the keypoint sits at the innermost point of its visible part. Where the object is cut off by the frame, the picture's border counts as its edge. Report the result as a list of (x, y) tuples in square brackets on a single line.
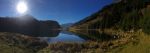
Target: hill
[(66, 26), (27, 25), (126, 15)]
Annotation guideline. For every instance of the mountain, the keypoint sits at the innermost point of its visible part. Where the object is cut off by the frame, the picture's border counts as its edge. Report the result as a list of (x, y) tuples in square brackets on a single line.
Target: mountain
[(27, 25), (49, 28), (125, 14), (66, 26)]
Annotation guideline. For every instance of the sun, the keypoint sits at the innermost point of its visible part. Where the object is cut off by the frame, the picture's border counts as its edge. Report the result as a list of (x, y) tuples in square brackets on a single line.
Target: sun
[(22, 7)]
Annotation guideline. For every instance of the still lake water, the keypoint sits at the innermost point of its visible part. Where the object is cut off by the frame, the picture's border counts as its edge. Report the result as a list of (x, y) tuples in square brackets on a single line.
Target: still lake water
[(62, 37), (78, 37)]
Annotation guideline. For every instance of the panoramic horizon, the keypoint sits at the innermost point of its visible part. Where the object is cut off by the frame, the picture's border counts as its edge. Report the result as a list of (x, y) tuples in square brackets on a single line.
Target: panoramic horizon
[(64, 11), (74, 26)]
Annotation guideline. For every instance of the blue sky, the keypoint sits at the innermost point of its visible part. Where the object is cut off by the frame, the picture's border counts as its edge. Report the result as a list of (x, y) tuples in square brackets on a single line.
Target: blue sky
[(63, 11)]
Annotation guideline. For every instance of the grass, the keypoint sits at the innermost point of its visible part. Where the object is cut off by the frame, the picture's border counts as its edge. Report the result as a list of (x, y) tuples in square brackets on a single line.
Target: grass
[(139, 45), (17, 43), (94, 46), (7, 47), (128, 42), (88, 47)]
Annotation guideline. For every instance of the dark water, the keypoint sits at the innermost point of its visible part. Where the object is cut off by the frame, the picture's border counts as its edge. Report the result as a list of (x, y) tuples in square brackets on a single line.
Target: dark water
[(54, 36), (76, 37), (62, 37)]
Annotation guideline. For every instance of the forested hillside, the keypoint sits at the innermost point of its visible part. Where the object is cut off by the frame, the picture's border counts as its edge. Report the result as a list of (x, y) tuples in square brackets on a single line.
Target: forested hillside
[(126, 15)]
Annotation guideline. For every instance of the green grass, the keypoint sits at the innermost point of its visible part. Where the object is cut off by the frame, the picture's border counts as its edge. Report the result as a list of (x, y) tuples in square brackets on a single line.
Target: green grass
[(16, 43), (139, 45), (6, 47), (129, 42)]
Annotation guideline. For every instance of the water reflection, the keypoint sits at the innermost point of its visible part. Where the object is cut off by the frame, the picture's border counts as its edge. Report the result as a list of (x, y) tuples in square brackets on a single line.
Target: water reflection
[(64, 38), (52, 36), (94, 35)]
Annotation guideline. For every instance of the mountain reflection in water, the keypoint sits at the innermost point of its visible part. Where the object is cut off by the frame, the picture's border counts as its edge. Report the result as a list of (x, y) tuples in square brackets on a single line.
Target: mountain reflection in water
[(78, 37), (54, 36), (63, 38)]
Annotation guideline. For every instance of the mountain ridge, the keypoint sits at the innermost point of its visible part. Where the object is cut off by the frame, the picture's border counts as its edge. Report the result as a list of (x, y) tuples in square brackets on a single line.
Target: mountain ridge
[(27, 25), (125, 15)]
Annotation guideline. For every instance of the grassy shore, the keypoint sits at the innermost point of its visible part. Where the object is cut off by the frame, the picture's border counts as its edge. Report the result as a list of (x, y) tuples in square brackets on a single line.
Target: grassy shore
[(128, 42), (19, 43), (139, 45)]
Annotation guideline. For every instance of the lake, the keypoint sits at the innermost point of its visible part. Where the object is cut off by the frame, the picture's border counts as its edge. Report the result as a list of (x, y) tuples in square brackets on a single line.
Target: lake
[(63, 37), (75, 37)]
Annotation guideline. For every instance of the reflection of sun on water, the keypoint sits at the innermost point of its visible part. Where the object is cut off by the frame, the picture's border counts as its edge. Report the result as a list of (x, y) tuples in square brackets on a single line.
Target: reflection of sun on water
[(22, 7)]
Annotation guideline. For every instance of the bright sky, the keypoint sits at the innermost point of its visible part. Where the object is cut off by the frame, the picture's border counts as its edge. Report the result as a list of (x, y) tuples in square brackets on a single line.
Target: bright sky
[(63, 11)]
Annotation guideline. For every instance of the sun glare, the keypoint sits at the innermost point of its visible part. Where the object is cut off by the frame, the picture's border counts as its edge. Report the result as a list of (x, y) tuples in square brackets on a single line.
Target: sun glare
[(22, 7)]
